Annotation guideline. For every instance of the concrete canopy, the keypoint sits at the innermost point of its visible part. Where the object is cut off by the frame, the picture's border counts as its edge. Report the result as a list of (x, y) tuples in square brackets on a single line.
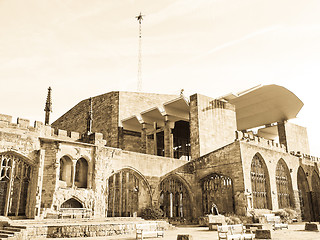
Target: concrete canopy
[(263, 105), (174, 110)]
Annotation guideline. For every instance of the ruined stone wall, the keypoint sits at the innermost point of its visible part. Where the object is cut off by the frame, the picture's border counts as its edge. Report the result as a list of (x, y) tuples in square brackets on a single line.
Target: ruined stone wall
[(130, 141), (271, 157), (21, 140), (108, 111), (224, 161), (212, 124), (105, 117)]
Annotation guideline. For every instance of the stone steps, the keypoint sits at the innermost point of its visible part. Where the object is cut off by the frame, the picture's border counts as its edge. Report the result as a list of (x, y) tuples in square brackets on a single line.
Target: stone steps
[(11, 232)]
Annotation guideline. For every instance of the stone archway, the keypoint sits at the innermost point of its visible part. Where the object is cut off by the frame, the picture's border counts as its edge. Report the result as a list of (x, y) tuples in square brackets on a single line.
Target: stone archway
[(128, 193), (15, 174), (71, 203), (81, 173), (315, 196), (175, 198), (304, 195), (217, 189), (284, 185), (260, 183)]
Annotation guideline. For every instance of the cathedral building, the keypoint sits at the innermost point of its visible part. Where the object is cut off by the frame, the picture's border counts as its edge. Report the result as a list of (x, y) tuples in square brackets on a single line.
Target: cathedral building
[(115, 154)]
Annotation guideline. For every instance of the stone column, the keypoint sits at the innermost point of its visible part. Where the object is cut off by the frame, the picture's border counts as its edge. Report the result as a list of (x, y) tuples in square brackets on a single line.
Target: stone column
[(39, 182), (168, 138), (155, 149), (143, 148), (73, 176), (9, 189)]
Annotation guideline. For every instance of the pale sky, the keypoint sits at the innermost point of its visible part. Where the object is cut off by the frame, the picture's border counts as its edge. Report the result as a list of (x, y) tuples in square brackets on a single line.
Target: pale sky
[(85, 48)]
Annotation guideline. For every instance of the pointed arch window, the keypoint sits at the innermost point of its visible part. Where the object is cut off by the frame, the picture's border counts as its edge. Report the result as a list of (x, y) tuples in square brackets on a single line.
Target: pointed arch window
[(218, 190), (260, 183), (284, 186), (81, 174), (174, 198), (15, 175), (125, 189)]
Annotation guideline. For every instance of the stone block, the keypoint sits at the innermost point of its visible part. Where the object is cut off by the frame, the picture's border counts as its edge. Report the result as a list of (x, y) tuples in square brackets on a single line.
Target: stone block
[(184, 237), (216, 219), (38, 124), (74, 135), (3, 123), (61, 133), (214, 226), (311, 227), (5, 118), (24, 123), (263, 234)]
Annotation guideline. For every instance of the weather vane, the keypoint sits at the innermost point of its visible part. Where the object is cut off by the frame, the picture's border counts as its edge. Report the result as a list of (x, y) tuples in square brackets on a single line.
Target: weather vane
[(140, 18)]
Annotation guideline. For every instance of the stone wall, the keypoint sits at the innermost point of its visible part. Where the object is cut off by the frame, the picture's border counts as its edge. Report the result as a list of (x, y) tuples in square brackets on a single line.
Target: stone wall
[(212, 124), (108, 111), (224, 161), (294, 137), (105, 109)]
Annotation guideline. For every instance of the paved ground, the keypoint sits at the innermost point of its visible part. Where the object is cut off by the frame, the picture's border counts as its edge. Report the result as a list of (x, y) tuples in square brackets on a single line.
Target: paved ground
[(295, 232)]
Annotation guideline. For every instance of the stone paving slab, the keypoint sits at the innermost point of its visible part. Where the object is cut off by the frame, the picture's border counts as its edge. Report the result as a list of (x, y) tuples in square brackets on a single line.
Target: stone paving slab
[(295, 232)]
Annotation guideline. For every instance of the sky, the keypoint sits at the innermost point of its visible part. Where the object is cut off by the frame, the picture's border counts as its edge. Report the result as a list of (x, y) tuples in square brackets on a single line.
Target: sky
[(85, 48)]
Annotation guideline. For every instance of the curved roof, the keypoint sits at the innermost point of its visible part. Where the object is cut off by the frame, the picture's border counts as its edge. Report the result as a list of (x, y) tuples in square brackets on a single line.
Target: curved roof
[(263, 105)]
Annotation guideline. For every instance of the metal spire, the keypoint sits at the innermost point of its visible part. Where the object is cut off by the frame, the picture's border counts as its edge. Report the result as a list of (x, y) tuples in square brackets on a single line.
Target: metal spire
[(48, 107), (140, 18), (89, 118)]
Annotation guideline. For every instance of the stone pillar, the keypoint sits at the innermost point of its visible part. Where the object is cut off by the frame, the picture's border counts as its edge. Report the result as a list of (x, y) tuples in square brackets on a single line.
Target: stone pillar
[(143, 148), (73, 177), (297, 206), (168, 138), (9, 189), (120, 200), (39, 182), (155, 150)]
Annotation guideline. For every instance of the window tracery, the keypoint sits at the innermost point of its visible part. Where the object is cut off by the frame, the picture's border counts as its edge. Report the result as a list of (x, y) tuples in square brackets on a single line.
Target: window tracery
[(217, 189), (259, 183), (174, 198)]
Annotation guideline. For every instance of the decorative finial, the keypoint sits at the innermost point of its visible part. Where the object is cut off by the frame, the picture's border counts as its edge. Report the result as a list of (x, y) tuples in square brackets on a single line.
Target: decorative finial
[(48, 107), (89, 119), (140, 18), (181, 92)]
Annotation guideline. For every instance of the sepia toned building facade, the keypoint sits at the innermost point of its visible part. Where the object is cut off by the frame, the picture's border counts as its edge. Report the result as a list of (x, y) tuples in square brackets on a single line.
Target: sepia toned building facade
[(117, 153)]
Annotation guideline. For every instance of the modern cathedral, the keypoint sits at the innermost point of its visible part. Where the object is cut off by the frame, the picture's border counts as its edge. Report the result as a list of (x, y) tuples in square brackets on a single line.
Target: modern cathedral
[(115, 154)]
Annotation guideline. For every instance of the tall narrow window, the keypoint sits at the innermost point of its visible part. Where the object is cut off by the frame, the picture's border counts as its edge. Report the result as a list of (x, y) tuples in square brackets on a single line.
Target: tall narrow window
[(304, 195), (125, 189), (14, 172), (176, 201), (66, 168), (316, 195), (81, 175), (284, 187), (260, 183), (217, 190)]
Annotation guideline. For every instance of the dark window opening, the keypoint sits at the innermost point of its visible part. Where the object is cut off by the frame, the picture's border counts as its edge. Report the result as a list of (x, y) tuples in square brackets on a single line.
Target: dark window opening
[(181, 140), (160, 143)]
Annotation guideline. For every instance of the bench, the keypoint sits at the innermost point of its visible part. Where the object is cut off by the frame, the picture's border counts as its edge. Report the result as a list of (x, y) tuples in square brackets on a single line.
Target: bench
[(276, 222), (148, 230), (234, 232), (280, 226)]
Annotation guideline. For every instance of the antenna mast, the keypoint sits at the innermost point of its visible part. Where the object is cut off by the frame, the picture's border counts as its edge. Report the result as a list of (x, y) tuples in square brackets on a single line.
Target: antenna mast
[(140, 18)]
